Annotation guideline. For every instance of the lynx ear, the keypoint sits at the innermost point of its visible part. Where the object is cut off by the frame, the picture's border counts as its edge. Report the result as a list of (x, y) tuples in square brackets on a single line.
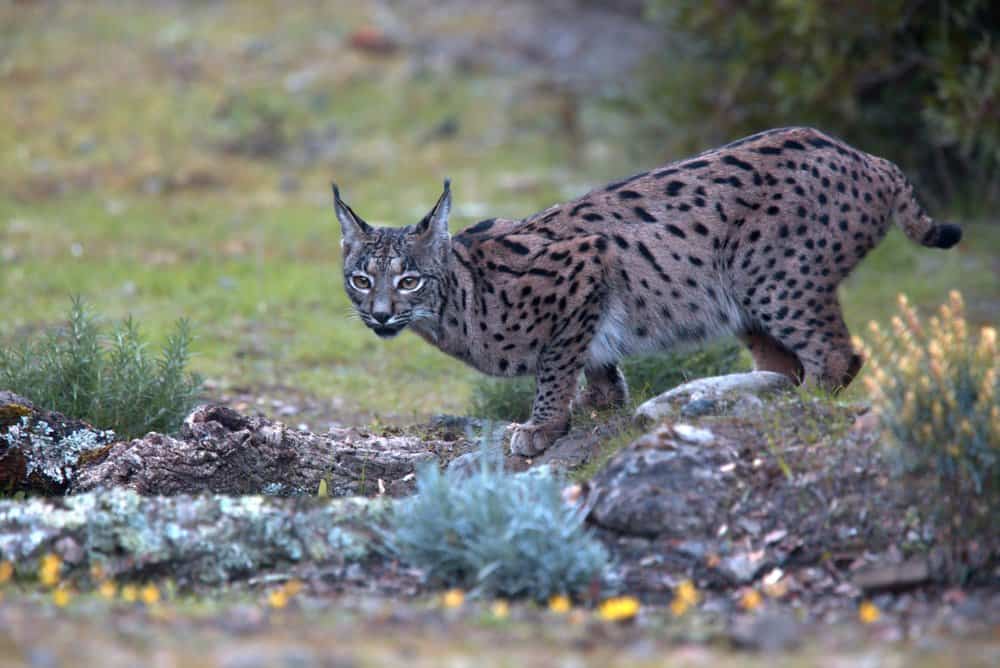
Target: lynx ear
[(352, 227), (434, 226)]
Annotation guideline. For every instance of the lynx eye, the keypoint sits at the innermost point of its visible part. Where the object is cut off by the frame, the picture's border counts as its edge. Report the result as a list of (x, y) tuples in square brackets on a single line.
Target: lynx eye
[(409, 283), (361, 282)]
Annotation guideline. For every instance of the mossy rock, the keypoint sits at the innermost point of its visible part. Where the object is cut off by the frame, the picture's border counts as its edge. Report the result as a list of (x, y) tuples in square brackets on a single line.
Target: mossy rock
[(11, 413)]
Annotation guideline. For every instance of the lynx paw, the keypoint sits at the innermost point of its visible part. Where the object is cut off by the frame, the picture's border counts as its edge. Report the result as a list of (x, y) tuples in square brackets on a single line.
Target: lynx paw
[(529, 440)]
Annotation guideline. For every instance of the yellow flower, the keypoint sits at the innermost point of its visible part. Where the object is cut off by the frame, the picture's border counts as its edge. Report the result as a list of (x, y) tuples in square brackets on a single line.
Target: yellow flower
[(750, 600), (130, 593), (500, 609), (453, 598), (560, 604), (619, 608), (150, 594), (678, 607), (293, 587), (277, 599), (49, 570), (6, 571), (108, 590), (687, 592), (685, 596), (868, 612), (96, 571), (61, 596)]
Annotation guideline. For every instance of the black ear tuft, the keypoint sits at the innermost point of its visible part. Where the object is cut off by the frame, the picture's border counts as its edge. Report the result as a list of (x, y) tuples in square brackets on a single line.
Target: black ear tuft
[(351, 224)]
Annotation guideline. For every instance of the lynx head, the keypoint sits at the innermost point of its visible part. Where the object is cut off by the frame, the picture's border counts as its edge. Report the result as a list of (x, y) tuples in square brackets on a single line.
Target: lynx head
[(393, 275)]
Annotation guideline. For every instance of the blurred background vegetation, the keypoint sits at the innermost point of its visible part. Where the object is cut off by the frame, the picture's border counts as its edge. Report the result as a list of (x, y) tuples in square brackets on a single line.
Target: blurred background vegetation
[(172, 159), (916, 80)]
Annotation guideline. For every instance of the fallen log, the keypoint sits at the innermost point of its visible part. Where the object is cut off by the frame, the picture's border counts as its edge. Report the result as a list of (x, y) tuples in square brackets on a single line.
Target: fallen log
[(218, 450)]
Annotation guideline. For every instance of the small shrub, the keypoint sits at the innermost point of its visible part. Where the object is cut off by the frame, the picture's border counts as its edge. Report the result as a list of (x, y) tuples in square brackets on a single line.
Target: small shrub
[(510, 399), (499, 533), (936, 390), (112, 382)]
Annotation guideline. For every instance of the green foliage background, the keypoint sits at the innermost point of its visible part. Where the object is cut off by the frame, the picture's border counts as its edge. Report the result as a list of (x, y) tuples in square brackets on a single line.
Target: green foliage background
[(917, 81)]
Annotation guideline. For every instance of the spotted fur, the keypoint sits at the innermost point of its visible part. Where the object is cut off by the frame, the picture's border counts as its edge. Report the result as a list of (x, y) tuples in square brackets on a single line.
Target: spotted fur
[(751, 239)]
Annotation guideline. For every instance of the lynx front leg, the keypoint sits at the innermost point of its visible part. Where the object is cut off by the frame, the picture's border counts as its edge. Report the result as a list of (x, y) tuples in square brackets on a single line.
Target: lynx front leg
[(555, 382)]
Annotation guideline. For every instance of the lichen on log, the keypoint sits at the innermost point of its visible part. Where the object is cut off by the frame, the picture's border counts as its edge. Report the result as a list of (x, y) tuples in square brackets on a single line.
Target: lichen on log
[(205, 540)]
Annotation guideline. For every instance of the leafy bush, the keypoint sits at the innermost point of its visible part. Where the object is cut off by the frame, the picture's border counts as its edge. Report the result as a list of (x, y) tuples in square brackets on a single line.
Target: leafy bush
[(510, 399), (112, 382), (496, 532), (936, 390), (917, 82)]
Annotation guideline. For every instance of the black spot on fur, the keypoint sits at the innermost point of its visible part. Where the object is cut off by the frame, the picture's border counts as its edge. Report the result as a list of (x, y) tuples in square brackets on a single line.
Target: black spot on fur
[(697, 164), (481, 226), (514, 246), (736, 162), (618, 184), (645, 215), (674, 188)]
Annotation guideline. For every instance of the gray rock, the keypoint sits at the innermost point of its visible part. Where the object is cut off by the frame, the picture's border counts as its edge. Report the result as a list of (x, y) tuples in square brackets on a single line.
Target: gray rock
[(699, 407), (659, 485), (746, 406), (755, 382)]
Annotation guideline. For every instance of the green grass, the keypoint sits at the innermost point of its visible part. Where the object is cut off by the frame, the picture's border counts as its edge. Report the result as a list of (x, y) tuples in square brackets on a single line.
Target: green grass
[(114, 186)]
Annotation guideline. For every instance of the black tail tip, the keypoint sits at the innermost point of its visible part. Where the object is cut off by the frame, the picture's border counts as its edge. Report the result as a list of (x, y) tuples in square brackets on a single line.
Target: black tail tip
[(946, 235)]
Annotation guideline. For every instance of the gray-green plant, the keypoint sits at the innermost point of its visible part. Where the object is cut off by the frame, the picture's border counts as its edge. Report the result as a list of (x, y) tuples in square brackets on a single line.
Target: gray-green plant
[(496, 533), (112, 381)]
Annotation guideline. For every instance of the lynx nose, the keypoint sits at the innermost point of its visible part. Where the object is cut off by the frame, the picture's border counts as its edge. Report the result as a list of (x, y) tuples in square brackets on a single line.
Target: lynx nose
[(381, 316)]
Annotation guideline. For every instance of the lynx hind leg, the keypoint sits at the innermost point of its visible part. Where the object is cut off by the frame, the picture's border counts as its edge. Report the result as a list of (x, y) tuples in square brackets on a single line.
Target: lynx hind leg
[(769, 355), (605, 388), (822, 344)]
